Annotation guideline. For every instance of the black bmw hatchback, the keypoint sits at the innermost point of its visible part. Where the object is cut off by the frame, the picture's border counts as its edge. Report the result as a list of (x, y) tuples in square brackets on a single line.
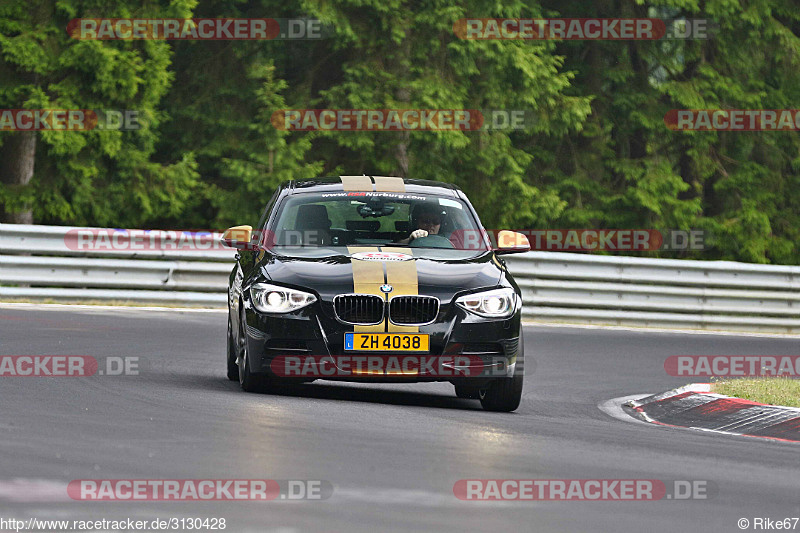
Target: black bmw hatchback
[(372, 278)]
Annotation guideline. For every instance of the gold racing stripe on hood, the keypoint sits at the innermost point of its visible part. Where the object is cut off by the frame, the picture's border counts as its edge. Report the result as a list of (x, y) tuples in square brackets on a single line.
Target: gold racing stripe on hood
[(402, 276), (356, 183), (389, 184), (367, 279)]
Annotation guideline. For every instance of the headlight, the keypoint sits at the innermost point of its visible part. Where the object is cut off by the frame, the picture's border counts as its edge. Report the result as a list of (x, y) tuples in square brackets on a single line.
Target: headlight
[(497, 303), (274, 299)]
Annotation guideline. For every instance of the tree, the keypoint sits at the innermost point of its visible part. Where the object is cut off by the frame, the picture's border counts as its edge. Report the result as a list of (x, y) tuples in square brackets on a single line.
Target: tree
[(79, 177), (626, 169)]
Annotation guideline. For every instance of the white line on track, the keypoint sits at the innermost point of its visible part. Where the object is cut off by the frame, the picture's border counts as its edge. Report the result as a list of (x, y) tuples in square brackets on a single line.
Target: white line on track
[(416, 498), (21, 490), (68, 307), (531, 323), (43, 306), (33, 490)]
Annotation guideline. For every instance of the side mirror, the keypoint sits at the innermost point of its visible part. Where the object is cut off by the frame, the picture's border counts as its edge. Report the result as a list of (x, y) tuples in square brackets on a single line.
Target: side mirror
[(511, 242), (238, 237)]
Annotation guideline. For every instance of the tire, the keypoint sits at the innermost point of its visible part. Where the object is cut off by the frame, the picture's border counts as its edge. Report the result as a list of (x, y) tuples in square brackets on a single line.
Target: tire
[(467, 392), (504, 394), (233, 368), (249, 382)]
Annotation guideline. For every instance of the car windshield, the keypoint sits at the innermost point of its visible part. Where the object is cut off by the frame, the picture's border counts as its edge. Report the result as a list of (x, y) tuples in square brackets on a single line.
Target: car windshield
[(376, 219)]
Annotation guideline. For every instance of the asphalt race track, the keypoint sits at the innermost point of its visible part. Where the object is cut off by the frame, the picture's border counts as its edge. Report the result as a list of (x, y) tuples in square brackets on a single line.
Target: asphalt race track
[(391, 452)]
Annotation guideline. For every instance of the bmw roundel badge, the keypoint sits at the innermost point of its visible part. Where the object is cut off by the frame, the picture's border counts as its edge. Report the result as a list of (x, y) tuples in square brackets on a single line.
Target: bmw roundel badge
[(386, 288)]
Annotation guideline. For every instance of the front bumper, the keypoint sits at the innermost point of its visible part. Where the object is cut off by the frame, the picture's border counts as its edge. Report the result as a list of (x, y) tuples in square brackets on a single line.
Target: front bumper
[(487, 347)]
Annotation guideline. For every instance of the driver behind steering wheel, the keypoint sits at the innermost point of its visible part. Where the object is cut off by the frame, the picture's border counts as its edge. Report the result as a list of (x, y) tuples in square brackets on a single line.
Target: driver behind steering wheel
[(427, 218)]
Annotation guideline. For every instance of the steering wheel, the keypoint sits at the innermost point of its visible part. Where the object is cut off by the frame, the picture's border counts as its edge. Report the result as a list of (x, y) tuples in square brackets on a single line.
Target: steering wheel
[(432, 241)]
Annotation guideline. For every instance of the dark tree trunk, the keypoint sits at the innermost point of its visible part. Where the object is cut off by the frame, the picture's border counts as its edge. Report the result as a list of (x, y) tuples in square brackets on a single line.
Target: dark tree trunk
[(401, 68), (17, 156), (401, 148)]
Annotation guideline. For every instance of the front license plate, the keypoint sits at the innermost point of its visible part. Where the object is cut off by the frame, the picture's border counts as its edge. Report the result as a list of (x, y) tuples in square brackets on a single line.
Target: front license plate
[(387, 342)]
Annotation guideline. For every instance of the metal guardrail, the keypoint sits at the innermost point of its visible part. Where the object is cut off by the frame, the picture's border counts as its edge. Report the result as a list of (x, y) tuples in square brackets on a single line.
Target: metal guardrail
[(43, 262), (49, 262), (65, 241), (658, 292)]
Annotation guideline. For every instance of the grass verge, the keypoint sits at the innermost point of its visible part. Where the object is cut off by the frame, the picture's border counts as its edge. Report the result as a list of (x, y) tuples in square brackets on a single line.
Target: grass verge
[(769, 390)]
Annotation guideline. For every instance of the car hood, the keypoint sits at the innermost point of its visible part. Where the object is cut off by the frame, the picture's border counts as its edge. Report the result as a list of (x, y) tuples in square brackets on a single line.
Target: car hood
[(337, 270)]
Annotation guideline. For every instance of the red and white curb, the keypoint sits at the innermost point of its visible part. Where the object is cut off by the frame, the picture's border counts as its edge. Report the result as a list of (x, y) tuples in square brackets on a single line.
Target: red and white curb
[(695, 407)]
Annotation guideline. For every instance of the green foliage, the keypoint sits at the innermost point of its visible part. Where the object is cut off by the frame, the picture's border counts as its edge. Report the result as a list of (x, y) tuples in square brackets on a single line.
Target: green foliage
[(625, 169), (92, 177), (598, 156)]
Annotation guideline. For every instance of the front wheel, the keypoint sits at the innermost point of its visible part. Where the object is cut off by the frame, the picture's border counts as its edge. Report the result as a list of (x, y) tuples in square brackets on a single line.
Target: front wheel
[(249, 382), (233, 368), (504, 394)]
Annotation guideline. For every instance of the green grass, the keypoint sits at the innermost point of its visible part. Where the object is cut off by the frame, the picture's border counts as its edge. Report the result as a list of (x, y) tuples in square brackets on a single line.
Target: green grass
[(773, 391)]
